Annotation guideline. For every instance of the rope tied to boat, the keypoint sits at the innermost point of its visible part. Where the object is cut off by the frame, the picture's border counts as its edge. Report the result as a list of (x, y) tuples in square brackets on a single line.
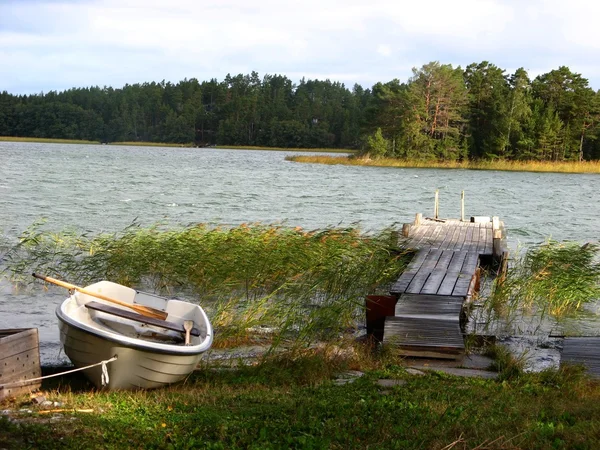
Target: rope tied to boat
[(104, 378)]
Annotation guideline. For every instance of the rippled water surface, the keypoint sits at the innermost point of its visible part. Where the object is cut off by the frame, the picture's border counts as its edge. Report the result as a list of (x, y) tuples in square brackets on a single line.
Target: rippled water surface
[(105, 188)]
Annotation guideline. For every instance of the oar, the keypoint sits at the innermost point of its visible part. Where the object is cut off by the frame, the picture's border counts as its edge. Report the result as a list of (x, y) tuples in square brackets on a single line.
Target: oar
[(143, 310)]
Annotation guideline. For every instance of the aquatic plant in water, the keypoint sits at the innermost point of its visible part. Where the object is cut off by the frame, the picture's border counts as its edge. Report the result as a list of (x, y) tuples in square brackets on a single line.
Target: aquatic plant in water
[(555, 278), (305, 285)]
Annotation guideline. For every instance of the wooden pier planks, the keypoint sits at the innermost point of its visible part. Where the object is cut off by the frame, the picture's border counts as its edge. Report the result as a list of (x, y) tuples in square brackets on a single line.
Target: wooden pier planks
[(584, 351), (435, 271), (434, 286)]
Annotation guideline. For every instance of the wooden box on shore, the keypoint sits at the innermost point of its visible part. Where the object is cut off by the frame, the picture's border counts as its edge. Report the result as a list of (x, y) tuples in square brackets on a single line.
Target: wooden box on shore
[(19, 361)]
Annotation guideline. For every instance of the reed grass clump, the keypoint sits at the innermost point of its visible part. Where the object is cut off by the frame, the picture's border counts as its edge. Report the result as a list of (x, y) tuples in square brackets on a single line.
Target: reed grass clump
[(555, 277), (268, 280), (504, 165)]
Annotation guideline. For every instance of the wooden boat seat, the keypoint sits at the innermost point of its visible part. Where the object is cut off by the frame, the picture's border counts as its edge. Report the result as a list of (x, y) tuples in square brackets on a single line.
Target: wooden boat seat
[(97, 306)]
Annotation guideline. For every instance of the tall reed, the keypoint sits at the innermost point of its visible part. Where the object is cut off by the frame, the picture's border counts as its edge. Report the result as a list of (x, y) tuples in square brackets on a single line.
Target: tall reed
[(303, 285), (555, 278), (514, 166)]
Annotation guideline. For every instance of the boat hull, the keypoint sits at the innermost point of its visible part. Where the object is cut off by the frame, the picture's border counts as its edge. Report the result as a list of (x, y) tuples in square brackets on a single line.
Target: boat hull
[(148, 356), (133, 368)]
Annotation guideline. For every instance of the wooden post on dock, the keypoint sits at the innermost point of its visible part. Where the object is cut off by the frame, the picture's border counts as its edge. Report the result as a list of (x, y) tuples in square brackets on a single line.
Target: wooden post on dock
[(497, 239), (436, 209), (462, 206), (418, 219)]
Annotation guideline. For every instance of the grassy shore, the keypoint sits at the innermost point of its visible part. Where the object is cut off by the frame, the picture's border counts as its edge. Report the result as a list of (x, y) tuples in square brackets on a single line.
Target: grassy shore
[(516, 166), (294, 402), (45, 140)]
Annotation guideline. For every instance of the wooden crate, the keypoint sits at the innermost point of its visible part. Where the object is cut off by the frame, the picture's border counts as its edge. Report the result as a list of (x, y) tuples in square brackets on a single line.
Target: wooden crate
[(19, 361)]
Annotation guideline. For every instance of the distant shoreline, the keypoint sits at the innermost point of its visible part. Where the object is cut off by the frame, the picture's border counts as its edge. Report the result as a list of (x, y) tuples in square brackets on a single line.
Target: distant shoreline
[(163, 144), (501, 165)]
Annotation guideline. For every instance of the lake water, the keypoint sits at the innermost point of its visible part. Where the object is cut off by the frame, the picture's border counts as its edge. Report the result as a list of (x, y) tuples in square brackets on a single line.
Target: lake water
[(105, 188)]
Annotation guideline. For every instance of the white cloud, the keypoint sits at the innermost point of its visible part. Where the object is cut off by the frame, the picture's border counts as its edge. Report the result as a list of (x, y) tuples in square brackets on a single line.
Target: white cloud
[(384, 50), (57, 44)]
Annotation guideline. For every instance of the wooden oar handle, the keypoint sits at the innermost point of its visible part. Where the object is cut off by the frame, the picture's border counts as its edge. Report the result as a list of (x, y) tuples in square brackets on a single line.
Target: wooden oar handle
[(143, 310)]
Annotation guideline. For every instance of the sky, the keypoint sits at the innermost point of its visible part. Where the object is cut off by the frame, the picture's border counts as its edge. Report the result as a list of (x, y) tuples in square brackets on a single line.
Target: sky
[(60, 44)]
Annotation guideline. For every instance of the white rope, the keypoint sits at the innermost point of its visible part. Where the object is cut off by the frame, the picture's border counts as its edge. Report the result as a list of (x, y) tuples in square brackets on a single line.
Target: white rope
[(104, 379)]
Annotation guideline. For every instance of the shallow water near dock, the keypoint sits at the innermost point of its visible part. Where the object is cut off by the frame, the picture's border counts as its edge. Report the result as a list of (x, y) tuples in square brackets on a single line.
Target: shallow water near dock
[(94, 188)]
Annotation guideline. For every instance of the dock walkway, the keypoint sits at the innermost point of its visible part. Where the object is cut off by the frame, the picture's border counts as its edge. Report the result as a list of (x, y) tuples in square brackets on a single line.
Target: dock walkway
[(443, 275)]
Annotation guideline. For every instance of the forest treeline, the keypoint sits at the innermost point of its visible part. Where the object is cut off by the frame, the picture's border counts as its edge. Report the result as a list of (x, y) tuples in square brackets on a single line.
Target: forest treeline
[(442, 112)]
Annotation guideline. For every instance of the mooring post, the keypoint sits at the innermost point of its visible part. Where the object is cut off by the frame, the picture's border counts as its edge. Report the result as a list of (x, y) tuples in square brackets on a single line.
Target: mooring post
[(436, 208), (462, 206)]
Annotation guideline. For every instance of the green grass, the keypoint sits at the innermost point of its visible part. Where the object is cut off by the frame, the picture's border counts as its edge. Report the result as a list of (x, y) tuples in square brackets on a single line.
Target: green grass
[(513, 166), (292, 402), (45, 140)]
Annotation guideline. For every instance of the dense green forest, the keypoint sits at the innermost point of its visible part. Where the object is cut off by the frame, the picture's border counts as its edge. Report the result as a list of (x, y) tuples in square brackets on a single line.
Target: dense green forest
[(441, 112)]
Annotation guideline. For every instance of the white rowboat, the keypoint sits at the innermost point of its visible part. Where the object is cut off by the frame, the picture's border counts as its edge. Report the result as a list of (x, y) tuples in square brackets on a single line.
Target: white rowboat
[(150, 353)]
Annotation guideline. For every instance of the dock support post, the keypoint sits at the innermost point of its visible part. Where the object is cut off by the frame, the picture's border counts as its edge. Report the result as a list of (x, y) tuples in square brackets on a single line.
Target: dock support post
[(418, 219), (437, 204), (462, 206)]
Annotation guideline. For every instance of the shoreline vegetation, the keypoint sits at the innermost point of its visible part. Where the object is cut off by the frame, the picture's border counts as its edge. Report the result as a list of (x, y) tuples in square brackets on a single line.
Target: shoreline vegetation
[(501, 165), (442, 112)]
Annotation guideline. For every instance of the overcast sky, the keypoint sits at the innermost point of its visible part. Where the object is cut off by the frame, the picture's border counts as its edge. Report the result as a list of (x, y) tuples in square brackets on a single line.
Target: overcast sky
[(59, 44)]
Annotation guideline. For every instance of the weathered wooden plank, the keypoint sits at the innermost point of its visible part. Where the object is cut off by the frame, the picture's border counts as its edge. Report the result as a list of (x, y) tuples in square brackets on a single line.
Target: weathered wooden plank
[(418, 281), (433, 282), (20, 361), (482, 240), (432, 238), (444, 260), (400, 286), (416, 234), (455, 237), (470, 264), (418, 259), (428, 304), (432, 258), (583, 351), (461, 288), (461, 237), (458, 258), (447, 285), (427, 331), (468, 238)]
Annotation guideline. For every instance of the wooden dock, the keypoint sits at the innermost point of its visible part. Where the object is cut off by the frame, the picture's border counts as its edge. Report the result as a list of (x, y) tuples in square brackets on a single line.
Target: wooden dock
[(431, 293), (582, 351)]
